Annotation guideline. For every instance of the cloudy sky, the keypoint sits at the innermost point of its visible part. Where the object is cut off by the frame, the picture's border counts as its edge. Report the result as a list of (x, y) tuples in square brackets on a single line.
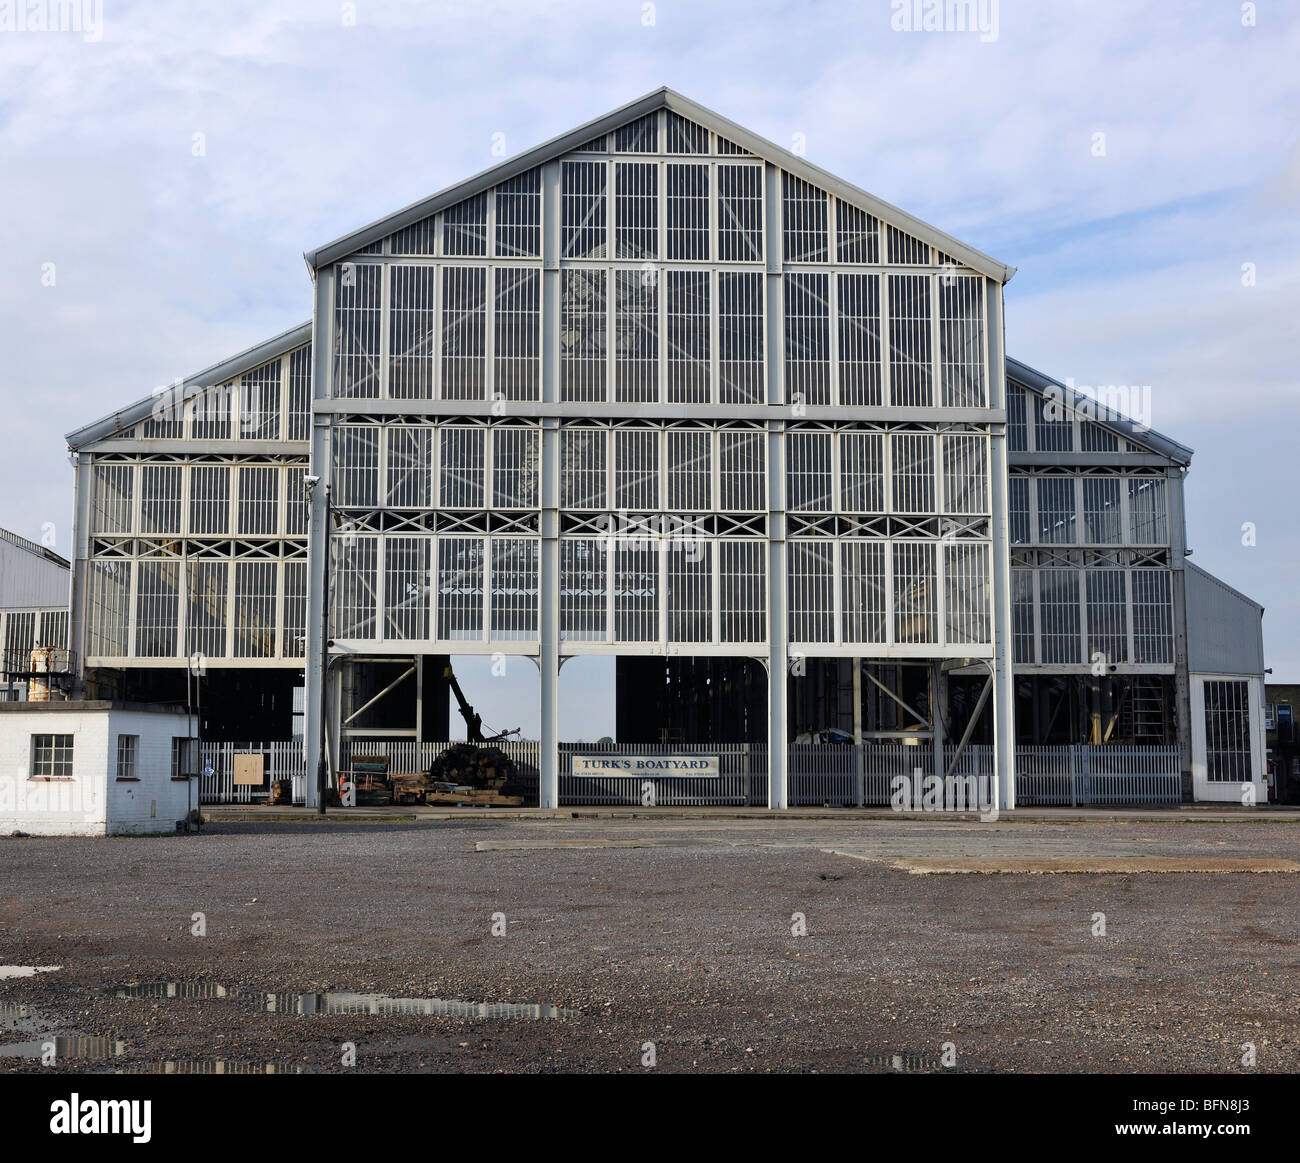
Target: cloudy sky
[(175, 160)]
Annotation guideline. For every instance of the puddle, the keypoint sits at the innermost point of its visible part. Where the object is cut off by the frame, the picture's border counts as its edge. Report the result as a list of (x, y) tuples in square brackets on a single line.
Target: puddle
[(23, 1019), (378, 1003), (212, 1066), (172, 989), (8, 971), (85, 1049), (340, 1002), (907, 1063)]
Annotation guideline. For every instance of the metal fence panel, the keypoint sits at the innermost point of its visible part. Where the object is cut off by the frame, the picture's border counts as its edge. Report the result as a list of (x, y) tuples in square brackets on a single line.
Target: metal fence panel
[(819, 774), (1109, 774)]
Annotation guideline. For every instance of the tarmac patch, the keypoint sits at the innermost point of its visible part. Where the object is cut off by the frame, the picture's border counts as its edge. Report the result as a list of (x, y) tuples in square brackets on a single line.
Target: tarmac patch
[(578, 843)]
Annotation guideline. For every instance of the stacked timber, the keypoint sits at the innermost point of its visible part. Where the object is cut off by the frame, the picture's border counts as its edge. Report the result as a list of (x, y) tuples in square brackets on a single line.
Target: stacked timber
[(469, 774)]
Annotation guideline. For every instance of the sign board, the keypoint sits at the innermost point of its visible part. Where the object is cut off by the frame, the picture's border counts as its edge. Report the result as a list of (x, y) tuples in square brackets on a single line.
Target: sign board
[(248, 769), (682, 766)]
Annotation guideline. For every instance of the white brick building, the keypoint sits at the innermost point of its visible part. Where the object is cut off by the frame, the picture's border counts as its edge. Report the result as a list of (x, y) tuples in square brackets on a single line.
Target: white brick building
[(93, 768)]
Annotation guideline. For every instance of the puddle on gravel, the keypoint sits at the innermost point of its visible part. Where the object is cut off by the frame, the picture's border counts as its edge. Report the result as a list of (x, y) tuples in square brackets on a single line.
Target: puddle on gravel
[(95, 1048), (21, 1019), (8, 971), (907, 1063), (211, 1066), (340, 1002)]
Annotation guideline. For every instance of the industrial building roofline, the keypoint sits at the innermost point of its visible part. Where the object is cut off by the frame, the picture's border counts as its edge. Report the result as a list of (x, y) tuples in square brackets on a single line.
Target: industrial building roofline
[(662, 98), (34, 549), (1081, 402), (1218, 581), (191, 386)]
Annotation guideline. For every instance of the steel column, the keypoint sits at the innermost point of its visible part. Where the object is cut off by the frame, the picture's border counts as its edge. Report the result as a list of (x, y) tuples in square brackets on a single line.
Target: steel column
[(313, 670), (1004, 729)]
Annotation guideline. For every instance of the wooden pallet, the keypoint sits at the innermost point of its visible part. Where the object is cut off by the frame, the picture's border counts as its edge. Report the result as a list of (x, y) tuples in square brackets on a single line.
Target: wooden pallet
[(475, 797)]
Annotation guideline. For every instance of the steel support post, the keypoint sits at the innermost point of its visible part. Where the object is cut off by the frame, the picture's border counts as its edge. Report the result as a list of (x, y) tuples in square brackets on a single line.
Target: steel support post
[(314, 668), (1004, 729)]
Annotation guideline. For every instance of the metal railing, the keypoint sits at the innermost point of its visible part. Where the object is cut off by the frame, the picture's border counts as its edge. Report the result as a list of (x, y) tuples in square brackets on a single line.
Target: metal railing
[(1078, 776), (18, 662), (832, 775), (866, 775)]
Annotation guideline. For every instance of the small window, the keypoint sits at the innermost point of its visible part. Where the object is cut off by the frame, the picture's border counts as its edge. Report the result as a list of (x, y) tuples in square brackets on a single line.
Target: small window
[(128, 752), (1017, 426), (52, 756), (1227, 731), (184, 756)]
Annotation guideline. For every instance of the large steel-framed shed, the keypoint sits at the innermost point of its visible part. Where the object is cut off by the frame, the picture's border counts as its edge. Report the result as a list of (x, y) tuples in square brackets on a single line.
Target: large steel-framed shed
[(660, 387), (663, 391)]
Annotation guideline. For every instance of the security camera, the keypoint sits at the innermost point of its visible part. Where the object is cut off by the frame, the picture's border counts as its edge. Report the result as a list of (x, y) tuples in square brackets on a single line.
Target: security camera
[(310, 480)]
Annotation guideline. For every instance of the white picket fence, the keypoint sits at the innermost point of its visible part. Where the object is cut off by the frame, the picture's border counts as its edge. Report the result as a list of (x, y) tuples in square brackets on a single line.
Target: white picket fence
[(831, 775), (282, 760)]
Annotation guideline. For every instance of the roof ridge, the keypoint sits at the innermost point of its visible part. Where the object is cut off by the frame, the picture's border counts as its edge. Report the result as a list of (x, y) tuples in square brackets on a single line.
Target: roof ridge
[(191, 386), (1218, 581), (661, 98), (1119, 424), (33, 548)]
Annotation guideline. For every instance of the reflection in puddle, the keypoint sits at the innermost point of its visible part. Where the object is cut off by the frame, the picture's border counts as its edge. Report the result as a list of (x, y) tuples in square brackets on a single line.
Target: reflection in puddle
[(23, 1019), (378, 1003), (345, 1003), (211, 1066), (8, 971), (57, 1048), (906, 1063)]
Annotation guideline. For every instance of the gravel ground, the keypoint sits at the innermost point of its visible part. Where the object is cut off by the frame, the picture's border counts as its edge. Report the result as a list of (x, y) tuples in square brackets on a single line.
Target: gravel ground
[(679, 934)]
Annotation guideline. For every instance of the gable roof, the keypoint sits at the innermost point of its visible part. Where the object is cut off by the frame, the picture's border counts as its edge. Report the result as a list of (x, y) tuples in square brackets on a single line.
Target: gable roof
[(1077, 401), (35, 550), (191, 386), (1214, 579), (663, 98)]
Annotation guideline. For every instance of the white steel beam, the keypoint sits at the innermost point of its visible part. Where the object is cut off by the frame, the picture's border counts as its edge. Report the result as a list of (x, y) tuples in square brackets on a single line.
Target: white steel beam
[(548, 593), (1004, 731), (777, 593), (313, 670)]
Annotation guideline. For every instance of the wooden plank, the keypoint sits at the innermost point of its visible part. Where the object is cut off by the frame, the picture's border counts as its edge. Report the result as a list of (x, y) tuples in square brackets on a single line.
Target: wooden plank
[(249, 770)]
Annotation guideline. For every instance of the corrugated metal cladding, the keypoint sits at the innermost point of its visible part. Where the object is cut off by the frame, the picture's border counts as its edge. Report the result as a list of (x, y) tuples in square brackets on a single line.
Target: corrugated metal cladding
[(1225, 629), (29, 579)]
